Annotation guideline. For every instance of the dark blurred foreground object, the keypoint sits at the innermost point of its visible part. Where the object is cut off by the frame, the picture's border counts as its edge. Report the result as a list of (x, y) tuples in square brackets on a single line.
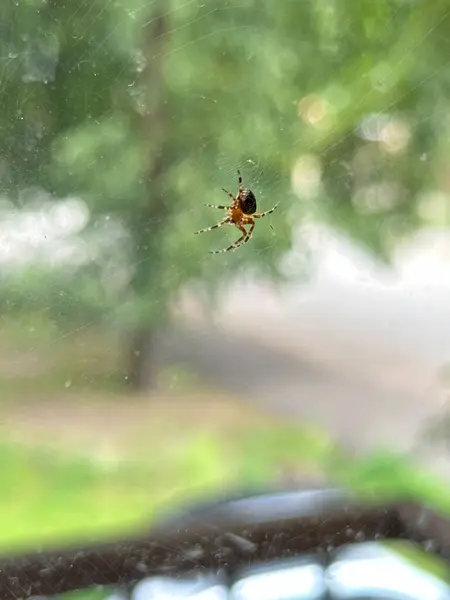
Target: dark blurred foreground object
[(308, 544)]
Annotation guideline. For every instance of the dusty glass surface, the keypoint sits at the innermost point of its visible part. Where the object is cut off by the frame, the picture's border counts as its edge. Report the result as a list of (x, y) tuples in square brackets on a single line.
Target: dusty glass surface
[(139, 369)]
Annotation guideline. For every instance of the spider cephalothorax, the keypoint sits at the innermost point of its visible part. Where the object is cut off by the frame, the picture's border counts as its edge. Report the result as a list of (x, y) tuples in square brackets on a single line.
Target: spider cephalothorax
[(240, 213)]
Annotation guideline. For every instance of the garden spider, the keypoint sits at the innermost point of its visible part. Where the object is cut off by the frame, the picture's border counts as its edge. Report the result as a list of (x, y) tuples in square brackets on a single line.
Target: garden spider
[(241, 212)]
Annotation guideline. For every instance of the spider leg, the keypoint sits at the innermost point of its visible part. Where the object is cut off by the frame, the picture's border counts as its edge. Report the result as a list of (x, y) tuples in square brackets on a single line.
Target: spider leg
[(236, 243), (229, 193), (261, 215), (217, 206), (240, 181), (219, 224), (250, 233)]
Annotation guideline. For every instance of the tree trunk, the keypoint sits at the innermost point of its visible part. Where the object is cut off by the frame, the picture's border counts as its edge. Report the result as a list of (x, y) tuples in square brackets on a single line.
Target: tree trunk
[(141, 371), (147, 227)]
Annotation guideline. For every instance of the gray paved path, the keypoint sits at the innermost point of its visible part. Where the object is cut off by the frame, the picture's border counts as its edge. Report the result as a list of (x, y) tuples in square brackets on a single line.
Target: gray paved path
[(358, 411)]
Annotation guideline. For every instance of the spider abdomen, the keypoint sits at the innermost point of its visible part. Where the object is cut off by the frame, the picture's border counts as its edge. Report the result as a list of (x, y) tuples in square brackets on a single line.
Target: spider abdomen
[(247, 202)]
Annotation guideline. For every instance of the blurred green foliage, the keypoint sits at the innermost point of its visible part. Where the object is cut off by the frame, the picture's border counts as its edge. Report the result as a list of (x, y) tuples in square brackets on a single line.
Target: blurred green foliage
[(146, 109)]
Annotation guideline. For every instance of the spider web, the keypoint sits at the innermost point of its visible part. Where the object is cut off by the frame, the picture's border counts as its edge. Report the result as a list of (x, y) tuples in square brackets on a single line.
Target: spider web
[(71, 216), (57, 230)]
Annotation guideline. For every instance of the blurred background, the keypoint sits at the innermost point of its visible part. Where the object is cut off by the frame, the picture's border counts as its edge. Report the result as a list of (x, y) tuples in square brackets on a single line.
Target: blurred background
[(137, 370)]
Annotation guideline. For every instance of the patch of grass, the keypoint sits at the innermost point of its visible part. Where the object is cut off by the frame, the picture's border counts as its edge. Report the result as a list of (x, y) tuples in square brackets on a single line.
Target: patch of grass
[(46, 498), (391, 475), (295, 449), (49, 496)]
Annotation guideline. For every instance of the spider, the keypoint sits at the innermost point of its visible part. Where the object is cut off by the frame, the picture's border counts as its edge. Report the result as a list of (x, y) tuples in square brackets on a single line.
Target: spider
[(240, 213)]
